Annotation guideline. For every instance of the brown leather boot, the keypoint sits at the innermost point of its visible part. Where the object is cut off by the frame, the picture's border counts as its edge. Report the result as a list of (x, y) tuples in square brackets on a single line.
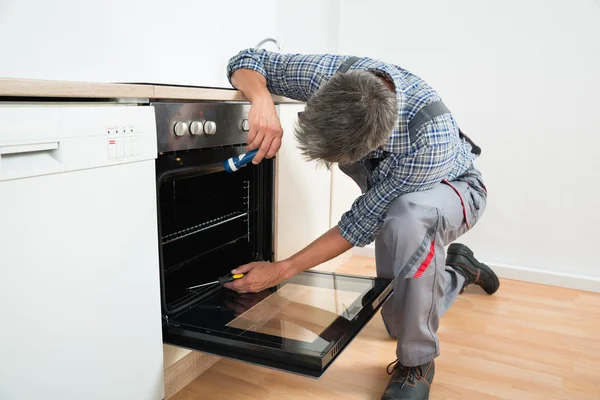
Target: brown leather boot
[(409, 383)]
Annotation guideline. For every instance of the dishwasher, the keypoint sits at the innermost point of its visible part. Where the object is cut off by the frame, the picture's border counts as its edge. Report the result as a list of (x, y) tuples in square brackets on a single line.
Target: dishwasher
[(78, 254)]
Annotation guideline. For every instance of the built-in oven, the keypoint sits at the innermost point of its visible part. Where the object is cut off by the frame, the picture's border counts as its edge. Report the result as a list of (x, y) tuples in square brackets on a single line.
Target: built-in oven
[(211, 221)]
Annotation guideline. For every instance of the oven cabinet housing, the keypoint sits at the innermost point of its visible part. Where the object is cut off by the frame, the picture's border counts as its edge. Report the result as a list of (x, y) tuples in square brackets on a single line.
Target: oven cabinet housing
[(210, 222)]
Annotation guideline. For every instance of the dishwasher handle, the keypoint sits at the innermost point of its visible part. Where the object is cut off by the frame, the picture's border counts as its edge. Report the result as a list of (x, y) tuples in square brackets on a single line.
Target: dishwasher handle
[(30, 159)]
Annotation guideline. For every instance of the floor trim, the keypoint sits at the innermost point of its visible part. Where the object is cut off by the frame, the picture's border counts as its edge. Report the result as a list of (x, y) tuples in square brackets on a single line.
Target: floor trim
[(520, 273), (550, 278), (184, 371)]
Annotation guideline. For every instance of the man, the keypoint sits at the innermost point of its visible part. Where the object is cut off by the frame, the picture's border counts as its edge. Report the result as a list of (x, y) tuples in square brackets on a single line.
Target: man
[(389, 131)]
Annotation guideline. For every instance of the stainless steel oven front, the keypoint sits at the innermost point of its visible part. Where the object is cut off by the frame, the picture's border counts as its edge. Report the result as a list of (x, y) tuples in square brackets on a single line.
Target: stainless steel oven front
[(211, 221)]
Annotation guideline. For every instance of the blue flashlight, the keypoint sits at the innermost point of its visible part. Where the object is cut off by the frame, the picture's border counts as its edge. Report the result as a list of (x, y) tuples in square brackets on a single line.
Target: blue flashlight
[(235, 163)]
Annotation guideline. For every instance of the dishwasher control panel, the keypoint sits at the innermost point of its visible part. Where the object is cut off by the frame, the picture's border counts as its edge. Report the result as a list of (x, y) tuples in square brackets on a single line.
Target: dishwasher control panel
[(123, 142), (44, 140)]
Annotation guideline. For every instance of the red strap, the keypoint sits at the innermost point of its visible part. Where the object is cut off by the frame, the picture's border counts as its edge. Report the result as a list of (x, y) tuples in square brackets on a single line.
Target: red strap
[(427, 260)]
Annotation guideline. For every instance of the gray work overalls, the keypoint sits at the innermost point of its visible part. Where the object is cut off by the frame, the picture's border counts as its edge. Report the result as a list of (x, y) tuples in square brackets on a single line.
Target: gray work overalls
[(410, 247)]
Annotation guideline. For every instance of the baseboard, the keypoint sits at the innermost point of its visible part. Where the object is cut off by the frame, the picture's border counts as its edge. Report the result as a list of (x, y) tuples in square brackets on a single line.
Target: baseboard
[(518, 273), (184, 371), (559, 279)]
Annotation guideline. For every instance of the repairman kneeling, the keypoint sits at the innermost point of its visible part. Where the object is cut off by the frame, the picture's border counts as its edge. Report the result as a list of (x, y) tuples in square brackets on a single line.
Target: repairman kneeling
[(389, 131)]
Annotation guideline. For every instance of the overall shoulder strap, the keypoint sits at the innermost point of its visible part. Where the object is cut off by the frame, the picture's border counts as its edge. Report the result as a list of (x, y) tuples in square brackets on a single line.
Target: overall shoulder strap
[(347, 64)]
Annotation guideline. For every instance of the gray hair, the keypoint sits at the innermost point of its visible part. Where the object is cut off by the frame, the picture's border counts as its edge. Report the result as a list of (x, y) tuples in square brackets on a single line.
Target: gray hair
[(348, 117)]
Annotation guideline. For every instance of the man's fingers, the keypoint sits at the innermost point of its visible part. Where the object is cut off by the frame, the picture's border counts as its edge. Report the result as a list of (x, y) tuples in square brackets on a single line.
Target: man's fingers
[(252, 134), (264, 147), (237, 285), (258, 139), (275, 146), (242, 269)]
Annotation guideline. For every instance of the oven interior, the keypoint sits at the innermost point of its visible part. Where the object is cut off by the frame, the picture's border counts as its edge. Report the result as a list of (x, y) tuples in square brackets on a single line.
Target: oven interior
[(210, 222)]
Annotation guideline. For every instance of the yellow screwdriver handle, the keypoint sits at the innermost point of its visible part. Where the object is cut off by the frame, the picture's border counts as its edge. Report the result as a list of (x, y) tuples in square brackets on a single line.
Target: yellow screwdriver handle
[(229, 278)]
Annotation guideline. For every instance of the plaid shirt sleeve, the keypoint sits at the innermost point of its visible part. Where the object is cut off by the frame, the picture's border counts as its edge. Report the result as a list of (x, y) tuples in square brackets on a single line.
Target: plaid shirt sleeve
[(419, 171), (295, 76)]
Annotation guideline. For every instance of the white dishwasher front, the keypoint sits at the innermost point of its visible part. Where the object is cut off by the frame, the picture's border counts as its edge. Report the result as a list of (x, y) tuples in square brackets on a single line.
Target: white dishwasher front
[(79, 285)]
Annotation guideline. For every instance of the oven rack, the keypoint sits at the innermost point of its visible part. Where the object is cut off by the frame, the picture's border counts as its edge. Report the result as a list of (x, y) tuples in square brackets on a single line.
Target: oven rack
[(203, 226), (177, 267)]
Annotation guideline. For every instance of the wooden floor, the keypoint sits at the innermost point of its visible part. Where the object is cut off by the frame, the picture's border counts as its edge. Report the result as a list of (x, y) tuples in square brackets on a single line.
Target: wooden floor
[(525, 342)]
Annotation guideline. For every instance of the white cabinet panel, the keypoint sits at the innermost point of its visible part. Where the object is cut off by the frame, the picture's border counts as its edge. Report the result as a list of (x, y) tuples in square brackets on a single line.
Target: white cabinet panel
[(303, 192)]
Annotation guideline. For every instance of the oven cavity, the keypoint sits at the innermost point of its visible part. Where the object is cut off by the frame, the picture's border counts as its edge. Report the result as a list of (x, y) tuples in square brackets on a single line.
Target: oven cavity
[(210, 223)]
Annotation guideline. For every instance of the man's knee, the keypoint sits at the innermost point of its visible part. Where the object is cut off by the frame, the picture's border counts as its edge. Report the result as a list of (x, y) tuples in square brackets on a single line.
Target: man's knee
[(408, 225)]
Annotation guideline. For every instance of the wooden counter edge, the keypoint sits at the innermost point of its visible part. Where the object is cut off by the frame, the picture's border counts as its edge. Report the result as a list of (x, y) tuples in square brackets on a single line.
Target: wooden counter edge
[(39, 88), (215, 94), (10, 87)]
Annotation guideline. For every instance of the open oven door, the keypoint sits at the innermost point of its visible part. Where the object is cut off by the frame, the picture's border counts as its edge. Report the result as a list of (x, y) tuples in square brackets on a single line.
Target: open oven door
[(300, 326), (210, 222)]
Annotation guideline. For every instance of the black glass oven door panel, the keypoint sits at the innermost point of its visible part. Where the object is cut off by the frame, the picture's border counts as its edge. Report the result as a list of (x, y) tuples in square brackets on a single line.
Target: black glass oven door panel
[(300, 326)]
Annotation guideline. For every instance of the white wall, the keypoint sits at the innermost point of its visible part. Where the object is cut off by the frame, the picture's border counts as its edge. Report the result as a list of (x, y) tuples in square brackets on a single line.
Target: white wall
[(185, 42), (179, 41), (522, 78), (308, 26)]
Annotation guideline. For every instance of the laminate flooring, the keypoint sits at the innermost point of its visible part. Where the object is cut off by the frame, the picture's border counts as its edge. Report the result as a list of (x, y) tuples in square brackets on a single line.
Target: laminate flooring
[(527, 341)]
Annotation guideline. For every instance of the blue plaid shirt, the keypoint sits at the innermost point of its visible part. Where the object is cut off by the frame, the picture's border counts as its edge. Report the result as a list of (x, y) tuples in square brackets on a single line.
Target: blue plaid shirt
[(437, 154)]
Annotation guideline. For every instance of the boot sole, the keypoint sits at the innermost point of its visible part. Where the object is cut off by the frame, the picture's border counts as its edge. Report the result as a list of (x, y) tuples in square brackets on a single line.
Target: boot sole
[(462, 250)]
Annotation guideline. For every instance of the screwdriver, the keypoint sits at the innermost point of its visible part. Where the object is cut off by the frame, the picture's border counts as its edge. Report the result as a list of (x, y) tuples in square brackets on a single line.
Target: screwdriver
[(222, 280)]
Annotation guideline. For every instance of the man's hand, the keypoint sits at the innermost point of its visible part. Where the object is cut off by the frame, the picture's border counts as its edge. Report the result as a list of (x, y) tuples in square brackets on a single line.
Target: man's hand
[(263, 275), (265, 129), (259, 276)]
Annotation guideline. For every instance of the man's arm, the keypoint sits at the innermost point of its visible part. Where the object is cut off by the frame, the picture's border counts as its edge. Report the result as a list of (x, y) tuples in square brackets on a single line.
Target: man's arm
[(265, 128), (258, 73), (262, 275), (328, 246)]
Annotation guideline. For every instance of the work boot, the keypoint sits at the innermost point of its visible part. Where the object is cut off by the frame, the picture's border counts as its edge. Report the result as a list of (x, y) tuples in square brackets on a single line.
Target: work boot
[(461, 258), (409, 383)]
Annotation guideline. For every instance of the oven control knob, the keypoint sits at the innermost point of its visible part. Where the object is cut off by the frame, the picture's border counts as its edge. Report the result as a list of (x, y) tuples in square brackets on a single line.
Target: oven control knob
[(180, 128), (245, 125), (197, 128), (210, 127)]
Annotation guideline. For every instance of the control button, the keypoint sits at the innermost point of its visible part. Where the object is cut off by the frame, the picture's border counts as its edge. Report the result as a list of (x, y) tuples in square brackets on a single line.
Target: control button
[(112, 148), (210, 128), (197, 128), (180, 128), (245, 125)]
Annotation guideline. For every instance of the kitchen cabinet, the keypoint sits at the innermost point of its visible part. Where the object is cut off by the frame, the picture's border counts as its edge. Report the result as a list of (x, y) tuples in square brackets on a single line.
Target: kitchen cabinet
[(303, 192), (305, 206)]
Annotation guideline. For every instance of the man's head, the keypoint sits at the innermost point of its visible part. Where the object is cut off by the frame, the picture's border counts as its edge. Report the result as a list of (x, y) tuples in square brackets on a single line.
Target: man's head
[(348, 117)]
